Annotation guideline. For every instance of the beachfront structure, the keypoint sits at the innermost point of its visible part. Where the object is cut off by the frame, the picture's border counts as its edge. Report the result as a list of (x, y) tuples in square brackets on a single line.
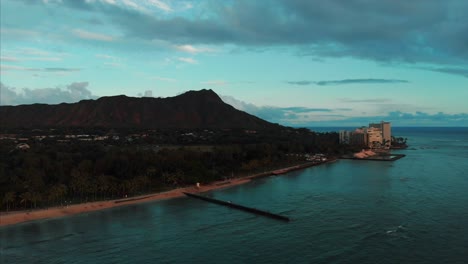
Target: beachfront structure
[(377, 135), (386, 129), (374, 137), (345, 136), (356, 137), (359, 137)]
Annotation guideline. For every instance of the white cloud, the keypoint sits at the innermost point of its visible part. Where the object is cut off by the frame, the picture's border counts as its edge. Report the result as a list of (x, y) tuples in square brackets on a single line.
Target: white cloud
[(71, 93), (131, 4), (192, 49), (92, 36), (146, 5), (160, 4), (187, 60)]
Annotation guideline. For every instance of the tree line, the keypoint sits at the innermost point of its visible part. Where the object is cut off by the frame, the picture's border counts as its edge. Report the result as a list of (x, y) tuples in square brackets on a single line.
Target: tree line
[(56, 174)]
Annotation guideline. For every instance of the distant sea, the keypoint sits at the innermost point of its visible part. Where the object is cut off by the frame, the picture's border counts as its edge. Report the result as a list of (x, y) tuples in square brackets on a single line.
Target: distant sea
[(413, 210)]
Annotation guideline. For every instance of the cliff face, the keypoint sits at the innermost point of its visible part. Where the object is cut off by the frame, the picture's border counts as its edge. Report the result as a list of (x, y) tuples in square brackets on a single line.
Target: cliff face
[(193, 109)]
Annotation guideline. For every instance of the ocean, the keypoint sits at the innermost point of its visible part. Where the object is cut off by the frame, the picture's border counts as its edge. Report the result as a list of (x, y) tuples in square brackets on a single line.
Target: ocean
[(413, 210)]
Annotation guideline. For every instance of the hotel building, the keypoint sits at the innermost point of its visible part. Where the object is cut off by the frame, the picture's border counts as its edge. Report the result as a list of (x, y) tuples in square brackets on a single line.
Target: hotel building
[(377, 135)]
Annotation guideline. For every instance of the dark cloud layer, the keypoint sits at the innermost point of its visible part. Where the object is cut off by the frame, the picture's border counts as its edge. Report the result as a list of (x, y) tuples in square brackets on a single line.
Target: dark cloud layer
[(389, 30), (69, 94), (300, 82), (454, 71)]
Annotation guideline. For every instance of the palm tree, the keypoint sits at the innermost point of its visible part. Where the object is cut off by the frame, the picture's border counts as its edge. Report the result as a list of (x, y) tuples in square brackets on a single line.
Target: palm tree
[(57, 192), (102, 184), (35, 197), (80, 183), (9, 198), (25, 198), (113, 186)]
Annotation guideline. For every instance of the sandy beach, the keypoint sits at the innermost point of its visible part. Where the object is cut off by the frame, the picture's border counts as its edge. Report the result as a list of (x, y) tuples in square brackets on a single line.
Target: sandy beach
[(12, 218)]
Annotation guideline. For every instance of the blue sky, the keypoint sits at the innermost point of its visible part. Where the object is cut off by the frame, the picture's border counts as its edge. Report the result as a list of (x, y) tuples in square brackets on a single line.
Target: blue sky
[(294, 62)]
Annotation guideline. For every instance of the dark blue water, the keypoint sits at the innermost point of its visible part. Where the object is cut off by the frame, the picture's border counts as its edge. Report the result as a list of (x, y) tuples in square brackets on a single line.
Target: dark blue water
[(414, 210)]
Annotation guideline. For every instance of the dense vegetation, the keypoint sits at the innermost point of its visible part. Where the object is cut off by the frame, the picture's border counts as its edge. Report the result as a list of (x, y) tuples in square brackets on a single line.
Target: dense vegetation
[(50, 173), (121, 146)]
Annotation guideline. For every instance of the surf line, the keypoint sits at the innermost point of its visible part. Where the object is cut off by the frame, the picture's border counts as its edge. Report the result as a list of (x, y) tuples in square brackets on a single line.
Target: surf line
[(239, 207)]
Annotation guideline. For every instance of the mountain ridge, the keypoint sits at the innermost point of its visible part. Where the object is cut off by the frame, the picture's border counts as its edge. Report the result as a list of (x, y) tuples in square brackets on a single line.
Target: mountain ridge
[(192, 109)]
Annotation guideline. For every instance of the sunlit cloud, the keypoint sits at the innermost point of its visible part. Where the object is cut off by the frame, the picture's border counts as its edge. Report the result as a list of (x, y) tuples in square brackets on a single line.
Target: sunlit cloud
[(112, 2), (192, 49), (160, 4), (144, 6)]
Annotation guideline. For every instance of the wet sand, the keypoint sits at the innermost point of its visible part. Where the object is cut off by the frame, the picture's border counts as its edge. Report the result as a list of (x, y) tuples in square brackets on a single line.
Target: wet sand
[(53, 212)]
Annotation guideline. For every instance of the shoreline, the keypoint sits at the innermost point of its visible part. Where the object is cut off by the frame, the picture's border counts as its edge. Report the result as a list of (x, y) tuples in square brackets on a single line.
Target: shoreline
[(12, 218)]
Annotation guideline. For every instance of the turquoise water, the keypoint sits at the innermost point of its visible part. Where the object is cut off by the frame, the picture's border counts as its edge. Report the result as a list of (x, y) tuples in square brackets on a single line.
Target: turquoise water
[(413, 210)]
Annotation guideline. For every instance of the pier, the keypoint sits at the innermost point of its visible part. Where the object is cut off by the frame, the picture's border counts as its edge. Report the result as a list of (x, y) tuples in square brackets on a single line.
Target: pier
[(239, 207)]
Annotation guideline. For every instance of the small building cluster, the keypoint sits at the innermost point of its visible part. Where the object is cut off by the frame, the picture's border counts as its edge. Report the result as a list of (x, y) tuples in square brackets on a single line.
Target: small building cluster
[(376, 136)]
